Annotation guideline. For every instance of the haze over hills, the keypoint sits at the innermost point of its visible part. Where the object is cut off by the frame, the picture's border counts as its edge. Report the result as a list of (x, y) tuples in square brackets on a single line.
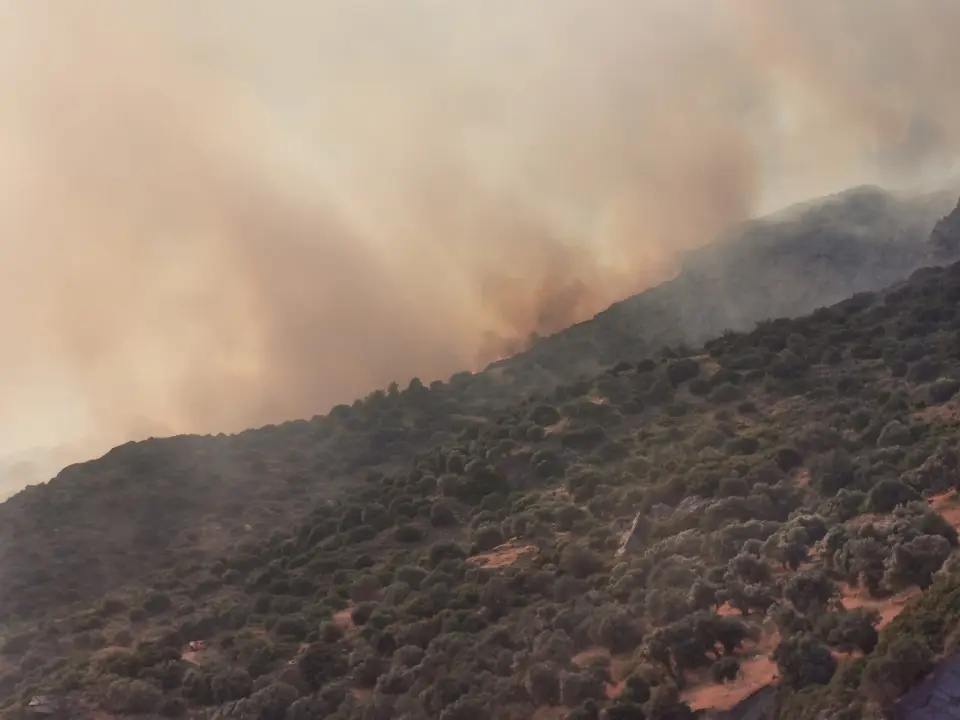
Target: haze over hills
[(236, 191), (795, 476), (683, 454), (806, 256), (859, 240)]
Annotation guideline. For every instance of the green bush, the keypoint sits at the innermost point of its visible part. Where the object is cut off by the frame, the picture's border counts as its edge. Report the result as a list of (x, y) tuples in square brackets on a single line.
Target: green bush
[(133, 696)]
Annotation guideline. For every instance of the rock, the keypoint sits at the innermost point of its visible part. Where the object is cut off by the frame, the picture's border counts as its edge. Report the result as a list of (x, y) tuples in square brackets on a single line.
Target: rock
[(944, 246), (634, 539)]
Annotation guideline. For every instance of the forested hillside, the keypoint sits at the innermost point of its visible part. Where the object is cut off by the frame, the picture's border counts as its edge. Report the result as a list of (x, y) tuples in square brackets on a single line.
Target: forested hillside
[(447, 550)]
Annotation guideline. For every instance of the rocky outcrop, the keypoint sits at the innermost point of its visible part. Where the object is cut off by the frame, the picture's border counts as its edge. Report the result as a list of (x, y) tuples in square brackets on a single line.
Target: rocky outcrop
[(635, 538), (944, 244)]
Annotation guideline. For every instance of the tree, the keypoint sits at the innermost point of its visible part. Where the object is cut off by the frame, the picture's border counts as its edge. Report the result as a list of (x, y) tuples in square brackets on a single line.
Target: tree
[(231, 684), (133, 696), (894, 433), (618, 632), (321, 664), (887, 494), (579, 561), (862, 560), (725, 669), (789, 621), (577, 687), (635, 690), (803, 660), (702, 595), (915, 562), (487, 537), (831, 471), (747, 597), (850, 630), (748, 569), (809, 591), (887, 677), (665, 704), (543, 684)]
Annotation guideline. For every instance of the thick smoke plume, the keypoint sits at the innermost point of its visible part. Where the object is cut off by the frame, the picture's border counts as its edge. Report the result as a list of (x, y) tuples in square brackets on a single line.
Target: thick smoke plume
[(233, 212)]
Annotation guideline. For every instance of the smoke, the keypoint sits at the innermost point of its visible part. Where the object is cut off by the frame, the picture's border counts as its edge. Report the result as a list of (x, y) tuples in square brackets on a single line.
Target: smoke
[(221, 214)]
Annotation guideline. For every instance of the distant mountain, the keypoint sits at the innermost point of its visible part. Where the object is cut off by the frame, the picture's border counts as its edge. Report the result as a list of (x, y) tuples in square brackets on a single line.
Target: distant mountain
[(807, 256)]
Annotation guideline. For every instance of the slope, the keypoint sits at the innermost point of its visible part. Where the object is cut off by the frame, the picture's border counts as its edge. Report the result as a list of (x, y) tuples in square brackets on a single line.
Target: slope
[(769, 473), (786, 265), (101, 524)]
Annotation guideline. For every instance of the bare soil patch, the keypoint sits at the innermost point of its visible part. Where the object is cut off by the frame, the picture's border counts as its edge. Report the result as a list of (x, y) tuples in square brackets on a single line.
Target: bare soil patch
[(503, 556), (619, 667), (888, 608), (344, 619), (558, 427), (550, 713), (946, 414), (948, 505), (757, 670)]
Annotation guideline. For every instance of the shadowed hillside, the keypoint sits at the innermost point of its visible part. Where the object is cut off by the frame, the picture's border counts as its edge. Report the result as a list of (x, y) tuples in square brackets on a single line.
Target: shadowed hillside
[(438, 551)]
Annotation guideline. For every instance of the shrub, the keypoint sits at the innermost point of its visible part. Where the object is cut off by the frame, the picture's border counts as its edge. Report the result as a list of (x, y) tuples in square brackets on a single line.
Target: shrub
[(112, 606), (442, 515), (887, 677), (365, 587), (742, 445), (577, 687), (888, 494), (788, 458), (321, 664), (803, 660), (831, 471), (196, 687), (487, 538), (444, 550), (545, 415), (543, 684), (231, 684), (708, 436), (579, 561), (17, 644), (411, 575), (942, 390), (923, 371), (292, 627), (618, 632), (679, 371), (156, 603), (173, 707), (408, 533), (133, 696), (894, 433), (726, 393), (725, 669)]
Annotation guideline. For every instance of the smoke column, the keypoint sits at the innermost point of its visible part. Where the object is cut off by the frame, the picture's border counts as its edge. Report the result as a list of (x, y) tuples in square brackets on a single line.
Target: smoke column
[(221, 214)]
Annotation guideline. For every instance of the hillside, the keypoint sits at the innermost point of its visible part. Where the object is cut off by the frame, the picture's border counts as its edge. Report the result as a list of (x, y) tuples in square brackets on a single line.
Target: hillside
[(433, 552), (101, 524), (802, 258)]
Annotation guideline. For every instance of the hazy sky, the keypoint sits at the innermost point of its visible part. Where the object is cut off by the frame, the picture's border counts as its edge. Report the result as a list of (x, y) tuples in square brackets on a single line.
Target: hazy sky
[(224, 213)]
